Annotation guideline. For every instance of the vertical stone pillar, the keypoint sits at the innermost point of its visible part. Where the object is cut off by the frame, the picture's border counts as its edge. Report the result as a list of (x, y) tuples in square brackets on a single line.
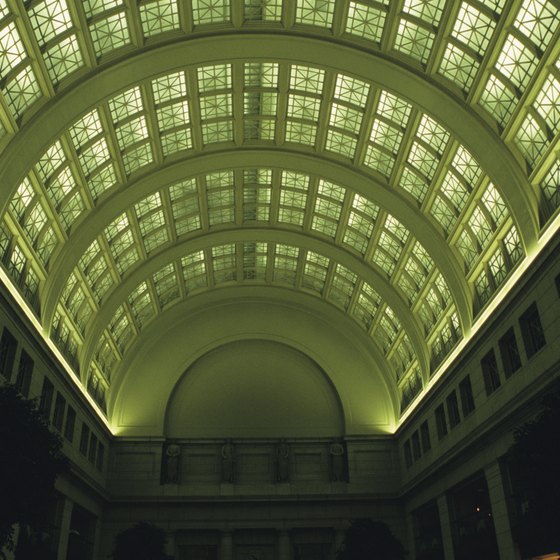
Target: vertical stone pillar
[(445, 523), (500, 515), (66, 518), (226, 545), (338, 540), (284, 548), (96, 537), (170, 543)]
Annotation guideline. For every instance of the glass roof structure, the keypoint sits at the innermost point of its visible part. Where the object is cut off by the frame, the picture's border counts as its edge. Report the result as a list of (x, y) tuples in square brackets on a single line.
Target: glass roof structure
[(396, 160)]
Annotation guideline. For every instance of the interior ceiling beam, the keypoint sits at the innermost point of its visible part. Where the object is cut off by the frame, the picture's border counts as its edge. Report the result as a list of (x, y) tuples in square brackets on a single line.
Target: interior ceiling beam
[(472, 131), (387, 292), (389, 199)]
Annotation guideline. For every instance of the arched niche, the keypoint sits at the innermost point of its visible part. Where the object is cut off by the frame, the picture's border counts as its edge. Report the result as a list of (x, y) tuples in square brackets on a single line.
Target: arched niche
[(254, 388)]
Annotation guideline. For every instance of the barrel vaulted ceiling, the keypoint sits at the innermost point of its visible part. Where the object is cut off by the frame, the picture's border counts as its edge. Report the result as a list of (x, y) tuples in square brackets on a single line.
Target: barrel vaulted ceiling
[(394, 160)]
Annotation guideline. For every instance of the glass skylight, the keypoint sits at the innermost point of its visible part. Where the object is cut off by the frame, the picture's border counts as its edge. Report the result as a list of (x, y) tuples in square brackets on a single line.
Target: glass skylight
[(503, 64)]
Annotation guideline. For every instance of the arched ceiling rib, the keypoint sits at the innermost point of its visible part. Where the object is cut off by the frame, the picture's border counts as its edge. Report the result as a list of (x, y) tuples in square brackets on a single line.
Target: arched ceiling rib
[(470, 129), (444, 114), (268, 237), (388, 199)]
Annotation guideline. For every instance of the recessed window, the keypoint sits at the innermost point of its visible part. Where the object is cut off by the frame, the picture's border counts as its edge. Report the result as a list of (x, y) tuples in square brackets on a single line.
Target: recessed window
[(58, 415), (47, 393), (453, 409), (441, 422), (531, 330), (70, 424), (84, 439), (467, 398), (416, 452), (8, 347), (407, 453), (100, 456), (490, 372), (25, 371), (557, 280), (92, 452), (425, 436), (509, 353)]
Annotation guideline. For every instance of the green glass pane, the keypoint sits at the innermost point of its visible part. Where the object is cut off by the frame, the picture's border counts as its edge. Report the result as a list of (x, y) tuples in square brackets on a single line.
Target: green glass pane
[(110, 33), (498, 99), (263, 10), (458, 66), (311, 12), (159, 16), (210, 11), (414, 39), (366, 21)]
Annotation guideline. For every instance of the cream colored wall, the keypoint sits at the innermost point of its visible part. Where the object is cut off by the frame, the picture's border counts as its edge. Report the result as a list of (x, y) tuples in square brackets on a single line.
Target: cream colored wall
[(254, 387), (313, 328)]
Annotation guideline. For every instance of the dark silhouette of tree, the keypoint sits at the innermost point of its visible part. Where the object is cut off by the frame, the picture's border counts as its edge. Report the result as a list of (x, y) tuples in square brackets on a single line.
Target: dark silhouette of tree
[(144, 541), (31, 459), (370, 540), (534, 461)]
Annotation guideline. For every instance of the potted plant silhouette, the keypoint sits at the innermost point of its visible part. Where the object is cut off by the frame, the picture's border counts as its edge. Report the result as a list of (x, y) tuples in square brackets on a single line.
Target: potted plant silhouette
[(366, 539), (31, 461), (144, 541)]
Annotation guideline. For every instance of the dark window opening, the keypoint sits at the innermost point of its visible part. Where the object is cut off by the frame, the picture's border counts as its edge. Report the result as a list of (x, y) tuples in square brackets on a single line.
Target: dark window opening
[(92, 452), (531, 330), (58, 416), (490, 372), (84, 439), (25, 371), (441, 423), (416, 452), (47, 394), (453, 409), (100, 456), (509, 353), (407, 453), (70, 424), (467, 398), (8, 347), (425, 436)]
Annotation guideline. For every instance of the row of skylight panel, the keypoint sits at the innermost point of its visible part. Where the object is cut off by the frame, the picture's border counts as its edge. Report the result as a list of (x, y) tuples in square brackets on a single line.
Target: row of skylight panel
[(151, 220), (335, 209), (129, 114), (274, 263), (53, 24)]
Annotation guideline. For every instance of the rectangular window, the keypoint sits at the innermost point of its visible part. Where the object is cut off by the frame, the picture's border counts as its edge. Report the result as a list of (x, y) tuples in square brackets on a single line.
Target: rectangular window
[(509, 353), (8, 347), (425, 436), (84, 439), (453, 409), (100, 456), (407, 453), (531, 330), (70, 423), (58, 416), (558, 284), (25, 371), (490, 372), (416, 453), (47, 393), (92, 448), (441, 423), (467, 398)]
